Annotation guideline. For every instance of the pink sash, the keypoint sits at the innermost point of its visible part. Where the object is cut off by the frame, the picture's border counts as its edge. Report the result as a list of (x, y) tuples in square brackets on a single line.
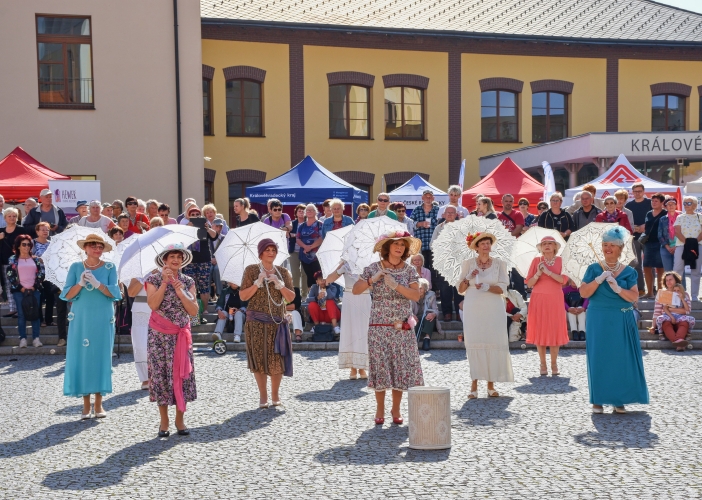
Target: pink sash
[(182, 368)]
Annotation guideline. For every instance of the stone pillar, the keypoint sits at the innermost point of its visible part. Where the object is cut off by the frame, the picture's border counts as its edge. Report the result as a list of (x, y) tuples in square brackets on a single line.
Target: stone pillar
[(573, 169)]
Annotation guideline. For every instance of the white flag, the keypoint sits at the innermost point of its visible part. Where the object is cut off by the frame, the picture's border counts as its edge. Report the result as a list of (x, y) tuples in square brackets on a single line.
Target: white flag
[(549, 182), (462, 174)]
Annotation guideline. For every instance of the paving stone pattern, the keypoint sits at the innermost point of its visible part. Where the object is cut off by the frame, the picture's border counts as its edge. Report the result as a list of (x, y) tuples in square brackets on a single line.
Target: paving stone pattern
[(537, 441)]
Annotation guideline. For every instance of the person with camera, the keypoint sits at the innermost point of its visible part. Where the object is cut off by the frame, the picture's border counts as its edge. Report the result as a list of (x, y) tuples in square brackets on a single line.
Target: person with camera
[(230, 307), (138, 221), (25, 275)]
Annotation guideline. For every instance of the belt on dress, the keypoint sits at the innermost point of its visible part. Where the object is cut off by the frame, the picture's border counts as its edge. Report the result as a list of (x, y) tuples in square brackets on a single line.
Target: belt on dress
[(140, 298), (403, 326)]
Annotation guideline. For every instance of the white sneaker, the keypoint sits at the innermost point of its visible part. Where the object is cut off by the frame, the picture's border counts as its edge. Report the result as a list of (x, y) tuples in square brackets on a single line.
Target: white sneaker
[(216, 336), (337, 330), (237, 339), (312, 330), (61, 342), (23, 343), (37, 343)]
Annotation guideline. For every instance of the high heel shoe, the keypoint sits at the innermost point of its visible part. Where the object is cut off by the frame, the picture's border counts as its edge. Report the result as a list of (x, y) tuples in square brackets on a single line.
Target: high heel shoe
[(184, 432), (163, 434), (87, 416), (397, 420), (379, 421)]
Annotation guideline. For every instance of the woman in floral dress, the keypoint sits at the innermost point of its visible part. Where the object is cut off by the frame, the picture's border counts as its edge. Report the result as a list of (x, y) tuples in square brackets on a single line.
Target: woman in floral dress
[(171, 297), (392, 345)]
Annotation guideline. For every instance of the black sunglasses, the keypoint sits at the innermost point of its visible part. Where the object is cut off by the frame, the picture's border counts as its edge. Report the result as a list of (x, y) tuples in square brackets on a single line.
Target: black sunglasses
[(132, 203), (523, 204), (26, 245), (383, 200), (277, 210)]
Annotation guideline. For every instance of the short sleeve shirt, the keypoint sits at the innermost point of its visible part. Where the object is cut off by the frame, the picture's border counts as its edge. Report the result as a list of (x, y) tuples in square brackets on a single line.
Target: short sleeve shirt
[(689, 225), (517, 219)]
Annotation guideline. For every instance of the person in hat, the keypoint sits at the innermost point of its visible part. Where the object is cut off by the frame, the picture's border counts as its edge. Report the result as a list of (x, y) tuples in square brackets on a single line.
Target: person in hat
[(92, 287), (267, 288), (546, 323), (47, 212), (171, 296), (393, 357), (95, 218), (81, 211), (483, 280)]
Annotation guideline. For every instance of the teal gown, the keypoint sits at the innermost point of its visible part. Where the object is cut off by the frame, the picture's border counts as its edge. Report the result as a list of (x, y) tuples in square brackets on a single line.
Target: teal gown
[(91, 333), (615, 370)]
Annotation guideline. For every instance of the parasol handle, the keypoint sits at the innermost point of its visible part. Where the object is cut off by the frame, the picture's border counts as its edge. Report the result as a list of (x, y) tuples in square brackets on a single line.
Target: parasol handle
[(596, 256)]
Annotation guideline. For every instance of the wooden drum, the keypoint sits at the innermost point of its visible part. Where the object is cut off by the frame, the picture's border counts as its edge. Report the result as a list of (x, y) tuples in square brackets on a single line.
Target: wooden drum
[(429, 418)]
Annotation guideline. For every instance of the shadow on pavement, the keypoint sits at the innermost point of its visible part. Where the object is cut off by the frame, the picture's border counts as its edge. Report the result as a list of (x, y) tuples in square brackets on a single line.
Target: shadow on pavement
[(110, 402), (630, 430), (547, 385), (45, 438), (113, 469), (342, 390), (9, 365), (487, 411)]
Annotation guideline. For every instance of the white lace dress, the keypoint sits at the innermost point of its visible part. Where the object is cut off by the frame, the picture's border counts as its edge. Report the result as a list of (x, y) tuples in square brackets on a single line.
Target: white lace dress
[(355, 317), (141, 312), (484, 325)]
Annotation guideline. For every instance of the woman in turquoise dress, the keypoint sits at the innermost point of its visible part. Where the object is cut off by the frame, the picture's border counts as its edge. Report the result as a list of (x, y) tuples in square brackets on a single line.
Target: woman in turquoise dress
[(91, 286), (615, 370)]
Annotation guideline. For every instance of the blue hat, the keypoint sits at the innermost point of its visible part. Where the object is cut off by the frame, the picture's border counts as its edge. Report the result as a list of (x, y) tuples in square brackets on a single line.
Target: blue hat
[(615, 234), (81, 203)]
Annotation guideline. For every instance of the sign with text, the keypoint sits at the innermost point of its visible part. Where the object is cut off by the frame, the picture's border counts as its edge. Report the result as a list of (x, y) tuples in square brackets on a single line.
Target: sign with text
[(68, 193)]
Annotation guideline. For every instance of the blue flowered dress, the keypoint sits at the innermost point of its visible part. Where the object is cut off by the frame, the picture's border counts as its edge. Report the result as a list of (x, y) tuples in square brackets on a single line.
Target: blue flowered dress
[(91, 333)]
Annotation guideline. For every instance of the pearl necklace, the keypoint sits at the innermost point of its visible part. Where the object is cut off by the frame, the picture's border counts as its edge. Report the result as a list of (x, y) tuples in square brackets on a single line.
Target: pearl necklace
[(551, 262), (613, 269), (85, 264)]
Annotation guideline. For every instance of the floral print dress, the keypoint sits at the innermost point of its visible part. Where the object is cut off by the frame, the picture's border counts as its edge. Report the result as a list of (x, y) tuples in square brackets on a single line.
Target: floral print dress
[(393, 357), (161, 347)]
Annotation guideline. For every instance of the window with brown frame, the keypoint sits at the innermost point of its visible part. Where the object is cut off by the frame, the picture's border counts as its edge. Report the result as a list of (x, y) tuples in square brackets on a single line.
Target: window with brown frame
[(668, 113), (207, 107), (243, 108), (349, 109), (549, 116), (404, 113), (64, 61), (209, 192), (499, 116)]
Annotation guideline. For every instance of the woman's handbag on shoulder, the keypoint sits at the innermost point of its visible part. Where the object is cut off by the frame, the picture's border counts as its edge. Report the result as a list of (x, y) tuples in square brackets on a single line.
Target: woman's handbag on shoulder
[(30, 306)]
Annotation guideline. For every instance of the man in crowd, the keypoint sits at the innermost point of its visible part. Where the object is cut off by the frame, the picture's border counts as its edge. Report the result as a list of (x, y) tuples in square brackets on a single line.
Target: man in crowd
[(454, 193), (217, 224), (108, 211), (95, 218), (587, 211), (164, 211), (590, 188), (383, 200), (513, 221), (449, 294), (639, 206), (29, 204), (81, 210), (425, 218), (47, 212)]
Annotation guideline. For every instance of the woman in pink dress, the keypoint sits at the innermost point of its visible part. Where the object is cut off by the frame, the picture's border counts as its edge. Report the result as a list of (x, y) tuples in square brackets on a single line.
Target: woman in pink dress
[(546, 323)]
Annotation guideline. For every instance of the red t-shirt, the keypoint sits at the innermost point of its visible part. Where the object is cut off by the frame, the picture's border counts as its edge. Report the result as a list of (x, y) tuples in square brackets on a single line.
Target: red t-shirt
[(135, 227), (516, 219)]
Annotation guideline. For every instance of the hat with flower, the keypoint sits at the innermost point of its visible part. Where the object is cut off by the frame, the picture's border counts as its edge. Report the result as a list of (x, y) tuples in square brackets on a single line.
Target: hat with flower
[(548, 239), (414, 244), (473, 239)]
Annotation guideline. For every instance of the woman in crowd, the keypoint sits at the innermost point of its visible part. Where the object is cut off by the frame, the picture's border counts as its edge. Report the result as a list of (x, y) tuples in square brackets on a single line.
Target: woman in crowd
[(164, 211), (615, 368), (309, 238), (418, 263), (612, 214), (7, 243), (362, 212), (117, 234), (41, 243), (95, 218), (209, 211), (652, 261), (401, 211), (485, 208), (92, 288), (170, 295), (141, 313), (244, 214), (392, 346), (666, 233), (321, 303), (155, 222), (353, 341), (555, 218), (576, 310), (152, 209), (483, 280), (529, 219), (267, 287), (277, 219), (688, 228), (426, 312), (201, 266), (674, 320), (337, 220), (541, 207), (25, 275), (298, 274), (546, 324), (117, 208), (138, 221), (622, 196)]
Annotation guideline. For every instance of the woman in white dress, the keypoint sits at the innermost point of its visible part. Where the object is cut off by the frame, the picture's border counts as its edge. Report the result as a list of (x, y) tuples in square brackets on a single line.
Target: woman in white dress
[(140, 329), (483, 280), (353, 341)]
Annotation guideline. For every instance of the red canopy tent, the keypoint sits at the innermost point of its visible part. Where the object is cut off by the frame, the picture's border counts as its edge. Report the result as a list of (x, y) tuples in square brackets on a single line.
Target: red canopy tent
[(21, 176), (507, 178)]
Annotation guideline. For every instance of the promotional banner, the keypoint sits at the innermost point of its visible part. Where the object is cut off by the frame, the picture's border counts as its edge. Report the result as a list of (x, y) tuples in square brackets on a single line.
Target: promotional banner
[(68, 193)]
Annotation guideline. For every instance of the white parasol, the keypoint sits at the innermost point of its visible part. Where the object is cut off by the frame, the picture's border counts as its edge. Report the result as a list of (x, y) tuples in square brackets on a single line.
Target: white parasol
[(240, 249), (450, 248), (329, 253), (63, 251), (138, 252), (359, 242), (525, 248), (584, 248)]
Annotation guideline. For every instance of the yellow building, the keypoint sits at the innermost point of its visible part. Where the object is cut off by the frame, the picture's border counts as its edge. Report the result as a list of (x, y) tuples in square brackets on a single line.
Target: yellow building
[(377, 90)]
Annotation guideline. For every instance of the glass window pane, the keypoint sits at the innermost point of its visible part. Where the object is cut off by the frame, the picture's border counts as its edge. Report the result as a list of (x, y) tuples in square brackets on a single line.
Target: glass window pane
[(63, 26), (337, 128), (676, 119), (358, 111), (337, 111), (539, 128), (489, 127), (412, 96), (51, 83), (488, 111), (234, 106), (508, 127), (557, 100), (538, 100), (51, 52), (658, 120), (393, 94), (488, 98), (658, 101), (358, 128), (252, 125), (337, 93), (413, 129), (358, 94), (558, 127), (507, 111), (233, 124), (233, 88), (51, 72), (675, 102), (252, 107), (413, 112), (236, 190), (79, 77), (508, 99), (392, 113), (252, 90)]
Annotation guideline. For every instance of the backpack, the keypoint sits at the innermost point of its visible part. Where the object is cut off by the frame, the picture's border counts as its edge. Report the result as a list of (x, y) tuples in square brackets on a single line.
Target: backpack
[(30, 306)]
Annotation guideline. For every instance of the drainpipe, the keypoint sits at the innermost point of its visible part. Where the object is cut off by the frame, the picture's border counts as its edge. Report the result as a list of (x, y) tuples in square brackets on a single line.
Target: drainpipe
[(177, 88)]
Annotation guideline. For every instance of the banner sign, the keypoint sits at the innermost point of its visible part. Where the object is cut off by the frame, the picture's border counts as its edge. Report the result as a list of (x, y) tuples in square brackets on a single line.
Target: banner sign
[(68, 193)]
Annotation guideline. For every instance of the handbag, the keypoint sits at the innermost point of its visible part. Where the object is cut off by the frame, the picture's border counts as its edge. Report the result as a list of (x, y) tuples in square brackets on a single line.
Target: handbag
[(30, 306), (643, 239), (573, 299), (323, 333)]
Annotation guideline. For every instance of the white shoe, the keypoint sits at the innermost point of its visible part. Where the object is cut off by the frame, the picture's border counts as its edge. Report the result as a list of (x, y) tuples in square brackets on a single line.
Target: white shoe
[(145, 386), (23, 343), (619, 409), (337, 330), (37, 343), (598, 410), (216, 336), (61, 342), (87, 416), (312, 330), (237, 339)]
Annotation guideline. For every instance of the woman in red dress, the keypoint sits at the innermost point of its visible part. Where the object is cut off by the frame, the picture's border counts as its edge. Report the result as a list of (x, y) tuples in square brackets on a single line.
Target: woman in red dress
[(546, 323)]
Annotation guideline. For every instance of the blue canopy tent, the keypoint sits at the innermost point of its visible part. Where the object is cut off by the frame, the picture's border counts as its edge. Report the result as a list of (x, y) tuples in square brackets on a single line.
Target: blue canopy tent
[(410, 193), (307, 182)]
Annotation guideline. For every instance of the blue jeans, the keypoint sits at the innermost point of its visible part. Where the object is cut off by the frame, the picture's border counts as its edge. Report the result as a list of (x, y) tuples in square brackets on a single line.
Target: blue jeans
[(21, 322), (667, 258)]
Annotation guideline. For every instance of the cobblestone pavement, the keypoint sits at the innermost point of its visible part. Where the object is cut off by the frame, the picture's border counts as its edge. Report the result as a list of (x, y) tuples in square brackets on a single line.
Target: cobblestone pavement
[(539, 440)]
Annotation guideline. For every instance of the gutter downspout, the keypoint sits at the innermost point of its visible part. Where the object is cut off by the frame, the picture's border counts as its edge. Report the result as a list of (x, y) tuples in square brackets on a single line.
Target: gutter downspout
[(177, 88)]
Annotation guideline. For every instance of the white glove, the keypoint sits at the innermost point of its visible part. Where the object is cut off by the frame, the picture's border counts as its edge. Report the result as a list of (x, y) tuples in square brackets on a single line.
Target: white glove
[(259, 281), (341, 269), (391, 282), (613, 284), (377, 276), (82, 282), (483, 287), (90, 278), (276, 282), (600, 279)]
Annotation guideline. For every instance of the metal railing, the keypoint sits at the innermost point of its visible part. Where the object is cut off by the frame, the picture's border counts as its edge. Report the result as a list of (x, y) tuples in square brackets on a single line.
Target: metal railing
[(65, 91)]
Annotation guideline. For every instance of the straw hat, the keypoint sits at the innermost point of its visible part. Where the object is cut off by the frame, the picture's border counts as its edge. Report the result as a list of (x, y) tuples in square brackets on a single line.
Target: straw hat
[(175, 247), (473, 239), (414, 244), (94, 238), (546, 239)]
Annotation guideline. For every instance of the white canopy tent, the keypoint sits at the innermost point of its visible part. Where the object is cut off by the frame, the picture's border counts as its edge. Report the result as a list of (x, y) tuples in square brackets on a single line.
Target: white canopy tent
[(410, 193)]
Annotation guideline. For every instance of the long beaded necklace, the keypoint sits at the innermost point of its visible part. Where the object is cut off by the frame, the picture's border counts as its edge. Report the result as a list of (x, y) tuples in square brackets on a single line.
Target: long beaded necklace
[(270, 297), (485, 265)]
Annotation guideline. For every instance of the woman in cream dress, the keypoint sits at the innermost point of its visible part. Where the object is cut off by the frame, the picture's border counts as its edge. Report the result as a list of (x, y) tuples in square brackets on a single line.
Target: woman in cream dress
[(483, 280), (141, 312)]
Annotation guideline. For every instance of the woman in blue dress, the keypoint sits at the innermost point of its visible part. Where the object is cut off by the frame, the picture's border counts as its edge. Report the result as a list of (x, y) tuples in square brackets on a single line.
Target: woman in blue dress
[(615, 370), (92, 287)]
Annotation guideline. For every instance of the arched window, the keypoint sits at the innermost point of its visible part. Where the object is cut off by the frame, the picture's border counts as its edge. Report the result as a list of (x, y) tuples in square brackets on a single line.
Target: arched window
[(499, 116), (349, 111), (549, 116), (243, 108), (404, 113), (668, 113)]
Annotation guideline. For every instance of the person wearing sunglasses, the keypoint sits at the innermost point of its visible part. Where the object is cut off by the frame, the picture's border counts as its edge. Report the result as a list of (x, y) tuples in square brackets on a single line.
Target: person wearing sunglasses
[(362, 212), (25, 275), (276, 218), (383, 200), (555, 218), (138, 222), (612, 214), (688, 231), (401, 211), (529, 219)]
